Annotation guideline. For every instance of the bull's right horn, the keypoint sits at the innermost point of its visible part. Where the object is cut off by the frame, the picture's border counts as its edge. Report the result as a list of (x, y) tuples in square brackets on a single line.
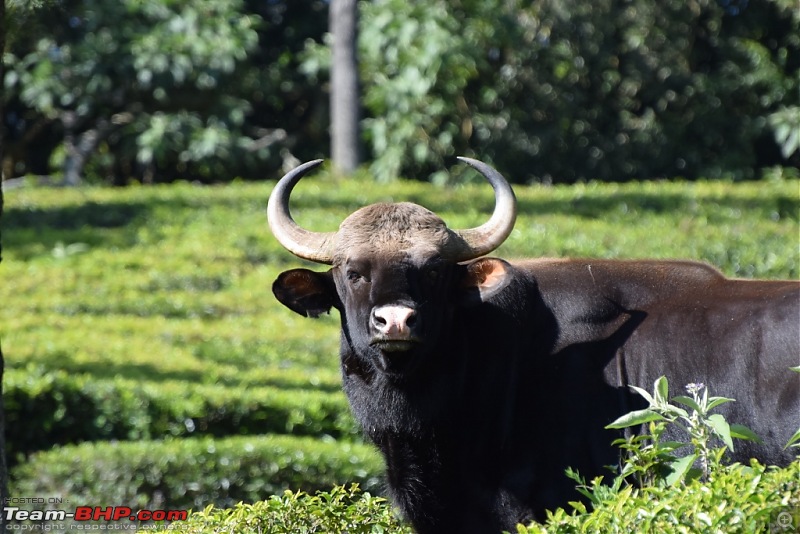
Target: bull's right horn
[(314, 246)]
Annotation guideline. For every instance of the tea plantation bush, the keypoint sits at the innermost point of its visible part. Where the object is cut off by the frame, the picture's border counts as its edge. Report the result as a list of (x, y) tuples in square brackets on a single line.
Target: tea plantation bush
[(193, 472), (338, 511), (56, 408), (662, 486), (738, 499)]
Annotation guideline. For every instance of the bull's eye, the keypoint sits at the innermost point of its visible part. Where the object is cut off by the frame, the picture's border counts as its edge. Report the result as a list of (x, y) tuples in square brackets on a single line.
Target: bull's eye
[(354, 276)]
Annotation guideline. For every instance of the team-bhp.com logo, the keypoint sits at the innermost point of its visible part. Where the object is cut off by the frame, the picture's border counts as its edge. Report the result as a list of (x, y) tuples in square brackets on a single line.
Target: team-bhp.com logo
[(94, 513), (18, 516)]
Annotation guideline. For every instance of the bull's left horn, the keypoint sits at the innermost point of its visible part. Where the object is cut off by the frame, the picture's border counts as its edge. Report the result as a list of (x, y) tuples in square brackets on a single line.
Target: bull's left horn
[(490, 235), (314, 246)]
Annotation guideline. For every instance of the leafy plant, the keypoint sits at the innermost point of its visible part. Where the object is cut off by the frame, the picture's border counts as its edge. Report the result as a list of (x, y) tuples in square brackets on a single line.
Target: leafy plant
[(736, 499), (419, 64), (651, 459), (156, 73), (624, 98), (712, 497), (785, 124), (340, 510)]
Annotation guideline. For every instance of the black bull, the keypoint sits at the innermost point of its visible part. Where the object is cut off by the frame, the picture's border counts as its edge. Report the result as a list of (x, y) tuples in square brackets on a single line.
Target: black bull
[(482, 381)]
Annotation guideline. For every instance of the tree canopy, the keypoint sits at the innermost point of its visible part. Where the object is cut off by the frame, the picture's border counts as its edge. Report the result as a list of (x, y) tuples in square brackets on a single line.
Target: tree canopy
[(552, 91)]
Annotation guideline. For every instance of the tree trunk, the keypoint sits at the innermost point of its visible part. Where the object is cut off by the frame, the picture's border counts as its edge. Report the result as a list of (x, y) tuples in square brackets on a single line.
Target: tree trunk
[(79, 148), (345, 94)]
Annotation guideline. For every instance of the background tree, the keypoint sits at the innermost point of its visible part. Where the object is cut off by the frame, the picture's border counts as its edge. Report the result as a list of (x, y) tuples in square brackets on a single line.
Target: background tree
[(163, 75), (161, 90), (548, 91), (416, 67), (288, 99), (345, 94), (576, 90)]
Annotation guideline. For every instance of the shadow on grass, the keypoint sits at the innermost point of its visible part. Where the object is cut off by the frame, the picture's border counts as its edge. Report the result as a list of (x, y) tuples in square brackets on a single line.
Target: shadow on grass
[(28, 230)]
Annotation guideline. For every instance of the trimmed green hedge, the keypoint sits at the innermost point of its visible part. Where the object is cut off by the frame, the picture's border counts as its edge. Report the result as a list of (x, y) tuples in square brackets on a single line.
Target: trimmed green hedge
[(737, 499), (341, 510), (194, 472), (55, 408)]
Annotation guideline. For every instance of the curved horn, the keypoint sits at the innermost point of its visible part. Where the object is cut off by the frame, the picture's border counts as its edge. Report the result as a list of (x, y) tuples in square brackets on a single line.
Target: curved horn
[(314, 246), (492, 233)]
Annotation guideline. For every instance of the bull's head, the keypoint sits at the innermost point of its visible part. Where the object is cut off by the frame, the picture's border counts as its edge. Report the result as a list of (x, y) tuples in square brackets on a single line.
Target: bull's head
[(397, 273)]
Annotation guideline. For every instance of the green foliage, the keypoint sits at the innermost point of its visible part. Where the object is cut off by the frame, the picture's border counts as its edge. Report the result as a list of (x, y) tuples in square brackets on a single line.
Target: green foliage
[(733, 498), (19, 15), (671, 495), (556, 91), (786, 125), (159, 90), (417, 66), (338, 511), (173, 55), (57, 408), (576, 90), (194, 472), (651, 461), (736, 499)]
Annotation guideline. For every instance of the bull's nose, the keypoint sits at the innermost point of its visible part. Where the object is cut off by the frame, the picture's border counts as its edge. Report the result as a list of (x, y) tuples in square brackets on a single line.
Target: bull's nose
[(393, 321)]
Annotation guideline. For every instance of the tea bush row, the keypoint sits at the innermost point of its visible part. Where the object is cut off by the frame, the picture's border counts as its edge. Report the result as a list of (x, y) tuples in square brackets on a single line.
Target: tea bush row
[(657, 488), (341, 510), (58, 408), (193, 472), (737, 499)]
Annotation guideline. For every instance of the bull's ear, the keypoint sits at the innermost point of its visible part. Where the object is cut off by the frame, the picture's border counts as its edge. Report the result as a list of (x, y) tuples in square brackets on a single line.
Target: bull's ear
[(306, 292), (484, 278)]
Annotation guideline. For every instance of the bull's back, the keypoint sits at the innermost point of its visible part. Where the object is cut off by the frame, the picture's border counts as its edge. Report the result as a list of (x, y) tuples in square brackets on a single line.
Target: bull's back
[(688, 322), (740, 340), (656, 285)]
